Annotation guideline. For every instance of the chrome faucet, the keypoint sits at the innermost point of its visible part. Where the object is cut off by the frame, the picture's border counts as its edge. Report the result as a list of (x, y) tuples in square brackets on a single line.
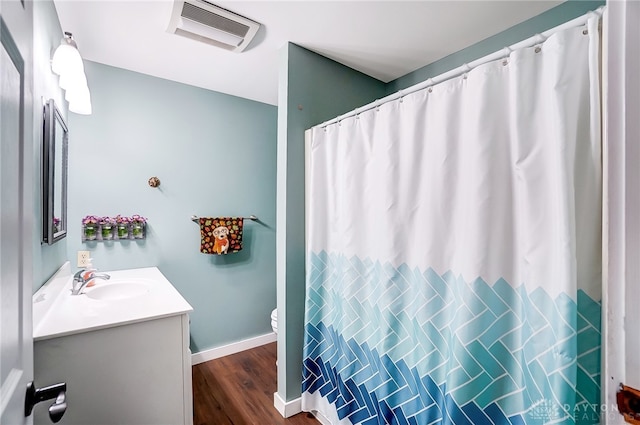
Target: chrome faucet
[(84, 276)]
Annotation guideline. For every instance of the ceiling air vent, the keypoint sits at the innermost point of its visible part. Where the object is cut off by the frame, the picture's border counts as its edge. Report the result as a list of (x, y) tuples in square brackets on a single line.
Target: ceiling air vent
[(203, 21)]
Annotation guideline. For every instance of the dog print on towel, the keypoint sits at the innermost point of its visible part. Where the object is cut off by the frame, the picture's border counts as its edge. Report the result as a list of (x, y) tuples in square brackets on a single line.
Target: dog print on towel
[(221, 240), (221, 235)]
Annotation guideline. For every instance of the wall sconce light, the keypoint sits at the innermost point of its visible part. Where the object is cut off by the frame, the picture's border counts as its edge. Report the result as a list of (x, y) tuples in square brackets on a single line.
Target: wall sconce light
[(67, 63)]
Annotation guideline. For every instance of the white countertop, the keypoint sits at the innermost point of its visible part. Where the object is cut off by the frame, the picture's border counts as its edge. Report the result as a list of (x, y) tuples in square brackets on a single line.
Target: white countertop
[(58, 313)]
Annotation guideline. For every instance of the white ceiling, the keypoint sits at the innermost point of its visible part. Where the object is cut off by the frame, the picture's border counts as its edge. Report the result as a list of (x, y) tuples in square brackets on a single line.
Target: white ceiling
[(384, 39)]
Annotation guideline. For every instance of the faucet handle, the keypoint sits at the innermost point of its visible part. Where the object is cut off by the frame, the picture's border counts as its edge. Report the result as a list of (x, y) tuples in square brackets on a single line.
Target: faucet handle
[(80, 273)]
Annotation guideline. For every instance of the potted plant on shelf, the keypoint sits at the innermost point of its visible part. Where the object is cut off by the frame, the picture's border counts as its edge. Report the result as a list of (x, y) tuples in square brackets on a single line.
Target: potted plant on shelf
[(106, 226), (90, 227), (137, 226), (122, 226), (56, 225)]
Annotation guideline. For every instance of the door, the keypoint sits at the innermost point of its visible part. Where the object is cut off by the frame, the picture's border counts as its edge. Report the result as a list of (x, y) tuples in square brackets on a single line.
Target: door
[(16, 343)]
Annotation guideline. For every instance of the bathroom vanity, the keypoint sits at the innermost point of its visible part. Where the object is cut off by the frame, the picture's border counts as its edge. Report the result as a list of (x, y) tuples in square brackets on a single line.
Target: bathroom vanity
[(122, 347)]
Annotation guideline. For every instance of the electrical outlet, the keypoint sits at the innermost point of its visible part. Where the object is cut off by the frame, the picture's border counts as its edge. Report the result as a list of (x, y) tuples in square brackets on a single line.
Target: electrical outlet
[(83, 258)]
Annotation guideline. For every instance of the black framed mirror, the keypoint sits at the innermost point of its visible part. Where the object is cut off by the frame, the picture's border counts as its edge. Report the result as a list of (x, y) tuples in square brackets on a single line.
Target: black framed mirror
[(54, 175)]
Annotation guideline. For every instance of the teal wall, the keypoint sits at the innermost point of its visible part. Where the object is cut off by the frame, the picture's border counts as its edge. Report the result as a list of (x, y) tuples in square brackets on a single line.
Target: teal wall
[(312, 89), (318, 84), (214, 154), (46, 38)]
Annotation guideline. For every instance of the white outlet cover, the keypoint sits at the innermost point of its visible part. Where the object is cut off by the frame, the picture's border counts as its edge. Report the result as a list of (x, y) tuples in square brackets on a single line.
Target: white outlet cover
[(83, 258)]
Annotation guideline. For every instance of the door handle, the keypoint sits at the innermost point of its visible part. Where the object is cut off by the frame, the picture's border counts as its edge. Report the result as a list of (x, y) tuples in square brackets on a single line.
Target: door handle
[(36, 395)]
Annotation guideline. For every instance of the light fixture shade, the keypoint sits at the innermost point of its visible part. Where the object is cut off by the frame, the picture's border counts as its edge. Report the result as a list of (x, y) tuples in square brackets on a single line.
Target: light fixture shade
[(67, 63), (66, 59), (72, 79), (81, 108), (78, 94), (81, 105)]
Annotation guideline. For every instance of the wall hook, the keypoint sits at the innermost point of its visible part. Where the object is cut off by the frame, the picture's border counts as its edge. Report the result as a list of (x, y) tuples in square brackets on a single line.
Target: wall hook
[(154, 182)]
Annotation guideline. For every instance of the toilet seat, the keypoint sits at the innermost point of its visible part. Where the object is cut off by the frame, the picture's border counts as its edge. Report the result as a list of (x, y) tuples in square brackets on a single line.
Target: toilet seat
[(274, 320)]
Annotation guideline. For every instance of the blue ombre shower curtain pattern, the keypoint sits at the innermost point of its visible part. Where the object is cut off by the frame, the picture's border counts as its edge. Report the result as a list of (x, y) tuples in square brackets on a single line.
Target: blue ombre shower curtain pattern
[(454, 249)]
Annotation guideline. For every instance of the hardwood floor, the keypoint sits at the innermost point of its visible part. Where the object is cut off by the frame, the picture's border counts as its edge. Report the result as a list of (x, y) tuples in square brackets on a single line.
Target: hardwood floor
[(238, 390)]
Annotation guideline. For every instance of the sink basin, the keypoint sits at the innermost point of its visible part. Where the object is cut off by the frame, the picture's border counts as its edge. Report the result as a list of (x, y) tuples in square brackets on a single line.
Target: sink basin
[(117, 290)]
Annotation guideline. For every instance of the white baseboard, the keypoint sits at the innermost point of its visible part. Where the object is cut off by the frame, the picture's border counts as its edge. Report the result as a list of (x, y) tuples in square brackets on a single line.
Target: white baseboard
[(236, 347), (287, 408), (293, 407)]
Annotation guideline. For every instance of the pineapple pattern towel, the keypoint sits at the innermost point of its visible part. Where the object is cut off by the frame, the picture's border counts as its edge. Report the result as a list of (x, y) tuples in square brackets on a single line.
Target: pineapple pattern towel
[(220, 235)]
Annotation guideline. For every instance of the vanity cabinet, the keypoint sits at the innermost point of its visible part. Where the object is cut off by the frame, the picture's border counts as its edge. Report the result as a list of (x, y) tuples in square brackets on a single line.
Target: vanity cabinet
[(123, 354), (138, 373)]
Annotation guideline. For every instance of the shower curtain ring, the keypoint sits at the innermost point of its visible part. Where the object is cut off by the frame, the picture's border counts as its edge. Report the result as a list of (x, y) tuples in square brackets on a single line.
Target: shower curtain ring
[(507, 53), (465, 73), (430, 84)]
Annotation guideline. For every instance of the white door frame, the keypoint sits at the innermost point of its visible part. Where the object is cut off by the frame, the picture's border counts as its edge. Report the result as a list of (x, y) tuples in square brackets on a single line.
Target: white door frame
[(621, 229)]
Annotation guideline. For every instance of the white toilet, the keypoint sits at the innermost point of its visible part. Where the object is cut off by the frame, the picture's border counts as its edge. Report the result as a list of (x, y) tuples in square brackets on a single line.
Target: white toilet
[(274, 323), (274, 320)]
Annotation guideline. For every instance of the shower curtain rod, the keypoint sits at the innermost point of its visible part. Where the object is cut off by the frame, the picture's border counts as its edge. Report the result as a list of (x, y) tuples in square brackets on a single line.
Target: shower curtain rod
[(500, 54)]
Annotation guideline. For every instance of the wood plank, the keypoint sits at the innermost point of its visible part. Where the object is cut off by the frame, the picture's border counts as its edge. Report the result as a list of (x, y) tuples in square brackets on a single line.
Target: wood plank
[(238, 390)]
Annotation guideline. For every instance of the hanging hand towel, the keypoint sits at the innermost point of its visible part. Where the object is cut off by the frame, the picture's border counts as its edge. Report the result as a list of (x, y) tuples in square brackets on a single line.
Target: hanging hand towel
[(220, 235)]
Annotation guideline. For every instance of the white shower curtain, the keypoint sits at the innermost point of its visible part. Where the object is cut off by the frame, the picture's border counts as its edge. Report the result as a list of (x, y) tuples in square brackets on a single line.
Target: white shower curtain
[(454, 251)]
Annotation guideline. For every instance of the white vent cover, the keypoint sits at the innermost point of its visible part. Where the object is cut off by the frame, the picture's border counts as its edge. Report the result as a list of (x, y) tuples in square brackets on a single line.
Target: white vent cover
[(203, 21)]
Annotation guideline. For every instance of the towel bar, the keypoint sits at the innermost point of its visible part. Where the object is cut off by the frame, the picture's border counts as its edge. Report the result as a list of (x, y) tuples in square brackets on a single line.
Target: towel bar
[(195, 218)]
